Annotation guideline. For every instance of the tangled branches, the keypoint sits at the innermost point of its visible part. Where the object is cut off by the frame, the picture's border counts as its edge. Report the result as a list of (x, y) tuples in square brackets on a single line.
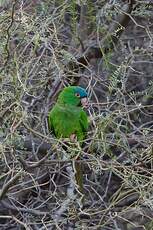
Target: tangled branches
[(106, 47)]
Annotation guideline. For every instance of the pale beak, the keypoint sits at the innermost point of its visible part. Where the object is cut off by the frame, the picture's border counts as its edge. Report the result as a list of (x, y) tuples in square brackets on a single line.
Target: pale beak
[(84, 102)]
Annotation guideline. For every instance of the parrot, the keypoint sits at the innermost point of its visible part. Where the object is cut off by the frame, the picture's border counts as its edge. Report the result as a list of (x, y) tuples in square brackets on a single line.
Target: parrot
[(68, 119)]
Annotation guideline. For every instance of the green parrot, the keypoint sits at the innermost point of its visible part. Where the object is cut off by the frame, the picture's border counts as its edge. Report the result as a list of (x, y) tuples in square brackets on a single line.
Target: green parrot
[(67, 119)]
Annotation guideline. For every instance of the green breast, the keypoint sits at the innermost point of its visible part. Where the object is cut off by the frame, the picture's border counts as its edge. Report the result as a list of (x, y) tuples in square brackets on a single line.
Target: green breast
[(67, 120)]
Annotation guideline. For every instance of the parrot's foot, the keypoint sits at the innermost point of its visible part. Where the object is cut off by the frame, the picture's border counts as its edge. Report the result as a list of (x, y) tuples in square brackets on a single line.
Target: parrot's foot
[(73, 137)]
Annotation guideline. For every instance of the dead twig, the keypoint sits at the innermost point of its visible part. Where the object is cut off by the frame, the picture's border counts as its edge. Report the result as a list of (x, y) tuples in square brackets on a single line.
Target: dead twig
[(9, 184)]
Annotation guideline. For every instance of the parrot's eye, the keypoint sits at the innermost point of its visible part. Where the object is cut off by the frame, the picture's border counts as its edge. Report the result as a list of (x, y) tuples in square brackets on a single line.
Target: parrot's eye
[(77, 95)]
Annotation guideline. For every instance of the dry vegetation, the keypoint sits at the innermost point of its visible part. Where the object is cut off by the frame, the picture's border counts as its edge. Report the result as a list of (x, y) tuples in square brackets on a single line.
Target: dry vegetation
[(107, 47)]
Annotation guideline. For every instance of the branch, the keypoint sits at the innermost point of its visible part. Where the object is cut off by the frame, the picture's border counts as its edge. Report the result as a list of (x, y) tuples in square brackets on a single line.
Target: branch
[(8, 185), (42, 146), (9, 35), (98, 52), (5, 204)]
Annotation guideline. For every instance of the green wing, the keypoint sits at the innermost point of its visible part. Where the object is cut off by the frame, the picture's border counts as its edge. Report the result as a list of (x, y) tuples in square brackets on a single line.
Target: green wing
[(66, 120), (84, 121)]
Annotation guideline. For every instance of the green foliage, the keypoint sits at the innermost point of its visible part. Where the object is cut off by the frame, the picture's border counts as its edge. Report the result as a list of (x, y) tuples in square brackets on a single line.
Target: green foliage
[(115, 79), (149, 91), (143, 10)]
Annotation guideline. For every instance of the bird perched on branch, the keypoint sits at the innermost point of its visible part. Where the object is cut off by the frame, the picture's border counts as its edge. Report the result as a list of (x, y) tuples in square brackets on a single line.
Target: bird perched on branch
[(67, 119)]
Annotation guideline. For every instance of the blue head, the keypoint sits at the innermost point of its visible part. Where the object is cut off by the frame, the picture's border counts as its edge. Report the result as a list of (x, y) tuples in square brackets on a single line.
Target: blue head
[(73, 95)]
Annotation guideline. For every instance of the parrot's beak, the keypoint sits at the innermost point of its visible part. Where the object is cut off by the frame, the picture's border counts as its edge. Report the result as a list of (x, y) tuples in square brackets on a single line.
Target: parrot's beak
[(84, 102)]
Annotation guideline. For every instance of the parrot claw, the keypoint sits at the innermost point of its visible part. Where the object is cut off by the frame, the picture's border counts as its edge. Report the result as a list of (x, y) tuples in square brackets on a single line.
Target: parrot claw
[(73, 138)]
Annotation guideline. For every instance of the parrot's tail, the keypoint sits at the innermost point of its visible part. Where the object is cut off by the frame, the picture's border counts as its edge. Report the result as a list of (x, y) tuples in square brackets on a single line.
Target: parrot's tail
[(79, 175)]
